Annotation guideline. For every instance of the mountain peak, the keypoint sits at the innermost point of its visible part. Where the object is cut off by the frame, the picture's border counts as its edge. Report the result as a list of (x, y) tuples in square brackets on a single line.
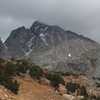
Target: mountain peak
[(20, 29), (37, 25)]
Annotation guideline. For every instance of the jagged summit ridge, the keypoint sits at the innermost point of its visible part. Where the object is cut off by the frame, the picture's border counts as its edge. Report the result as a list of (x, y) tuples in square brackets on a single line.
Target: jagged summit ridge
[(39, 35)]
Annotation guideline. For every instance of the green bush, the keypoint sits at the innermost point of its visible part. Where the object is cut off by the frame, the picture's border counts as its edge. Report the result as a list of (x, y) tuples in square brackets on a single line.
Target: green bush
[(9, 83), (36, 72), (55, 79), (22, 66), (10, 69), (3, 79), (22, 69), (6, 77)]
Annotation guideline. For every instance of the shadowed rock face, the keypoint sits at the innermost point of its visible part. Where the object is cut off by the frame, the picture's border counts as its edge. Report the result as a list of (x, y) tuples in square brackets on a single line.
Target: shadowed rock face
[(3, 50), (1, 45), (49, 45), (16, 42)]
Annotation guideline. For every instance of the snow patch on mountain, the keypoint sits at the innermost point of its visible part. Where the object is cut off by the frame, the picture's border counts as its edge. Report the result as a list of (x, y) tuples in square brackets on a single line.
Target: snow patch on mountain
[(30, 42), (27, 53), (42, 36)]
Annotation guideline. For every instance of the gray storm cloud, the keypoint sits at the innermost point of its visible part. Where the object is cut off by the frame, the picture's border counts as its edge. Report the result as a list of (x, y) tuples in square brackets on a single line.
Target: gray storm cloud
[(82, 16)]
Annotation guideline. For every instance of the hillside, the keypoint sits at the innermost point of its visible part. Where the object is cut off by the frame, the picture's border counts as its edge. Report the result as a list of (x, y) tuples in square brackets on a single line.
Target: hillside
[(22, 80), (30, 90)]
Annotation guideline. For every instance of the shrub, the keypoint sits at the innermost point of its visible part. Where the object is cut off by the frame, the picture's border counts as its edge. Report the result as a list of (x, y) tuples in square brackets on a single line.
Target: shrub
[(10, 69), (3, 79), (22, 69), (55, 79), (36, 72), (72, 87), (83, 91), (12, 85), (97, 84), (9, 83), (6, 77), (22, 66)]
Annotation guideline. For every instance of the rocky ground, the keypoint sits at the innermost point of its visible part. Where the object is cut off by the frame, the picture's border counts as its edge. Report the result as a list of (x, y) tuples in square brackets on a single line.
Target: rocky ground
[(6, 95), (32, 90)]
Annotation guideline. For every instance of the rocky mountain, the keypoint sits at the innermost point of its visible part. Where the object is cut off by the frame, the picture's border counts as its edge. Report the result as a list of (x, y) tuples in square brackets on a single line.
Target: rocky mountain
[(3, 50), (22, 40), (50, 46), (16, 42), (1, 45)]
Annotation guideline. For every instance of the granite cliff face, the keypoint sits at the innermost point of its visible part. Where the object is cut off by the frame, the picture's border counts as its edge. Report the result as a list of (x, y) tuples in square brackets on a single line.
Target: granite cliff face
[(50, 46)]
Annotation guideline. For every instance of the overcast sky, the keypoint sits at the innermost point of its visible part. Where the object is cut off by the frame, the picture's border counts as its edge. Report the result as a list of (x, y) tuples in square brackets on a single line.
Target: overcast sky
[(82, 16)]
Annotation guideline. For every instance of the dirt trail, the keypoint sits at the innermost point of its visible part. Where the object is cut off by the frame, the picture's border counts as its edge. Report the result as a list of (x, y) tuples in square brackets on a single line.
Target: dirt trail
[(31, 90)]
